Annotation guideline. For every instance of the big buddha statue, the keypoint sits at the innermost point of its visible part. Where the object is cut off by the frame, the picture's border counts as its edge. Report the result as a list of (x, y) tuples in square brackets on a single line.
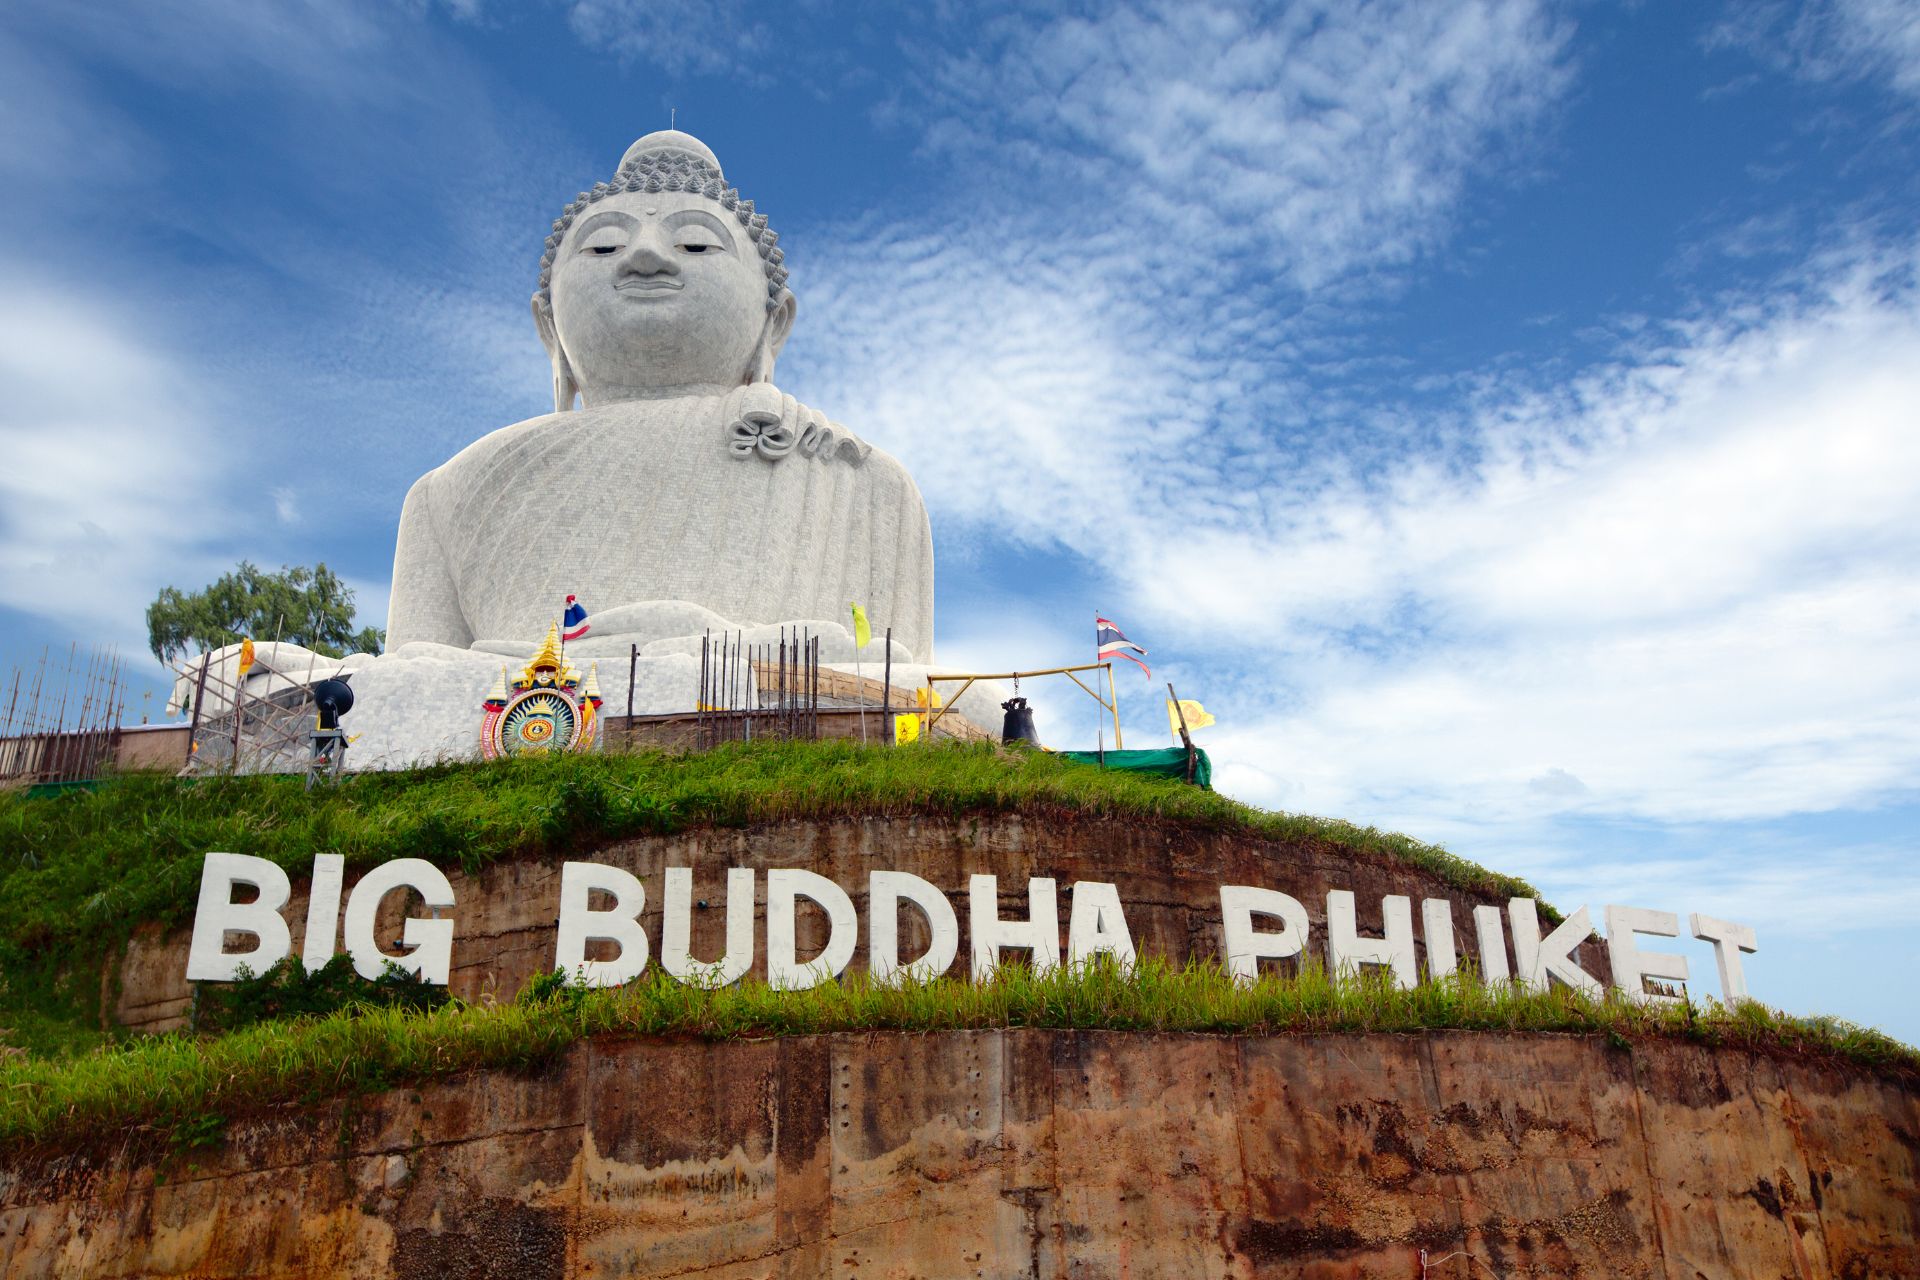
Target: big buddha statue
[(675, 490), (674, 485)]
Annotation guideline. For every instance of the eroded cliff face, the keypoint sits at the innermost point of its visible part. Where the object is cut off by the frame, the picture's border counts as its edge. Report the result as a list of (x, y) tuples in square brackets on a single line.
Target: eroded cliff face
[(1168, 876), (1032, 1154)]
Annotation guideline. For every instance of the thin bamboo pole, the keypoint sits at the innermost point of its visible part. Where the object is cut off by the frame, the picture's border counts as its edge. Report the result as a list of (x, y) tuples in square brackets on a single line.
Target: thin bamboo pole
[(1185, 737)]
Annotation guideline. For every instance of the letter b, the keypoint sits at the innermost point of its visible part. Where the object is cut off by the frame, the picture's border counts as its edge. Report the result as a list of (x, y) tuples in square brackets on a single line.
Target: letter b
[(218, 913)]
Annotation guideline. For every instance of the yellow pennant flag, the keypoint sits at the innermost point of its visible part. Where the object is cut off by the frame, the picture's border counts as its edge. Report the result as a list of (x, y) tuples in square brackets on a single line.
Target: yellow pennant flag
[(906, 728), (1197, 717), (862, 633), (246, 656)]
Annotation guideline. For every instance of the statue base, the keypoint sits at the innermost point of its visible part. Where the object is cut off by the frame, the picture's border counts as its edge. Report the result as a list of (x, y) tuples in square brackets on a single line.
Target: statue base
[(427, 704)]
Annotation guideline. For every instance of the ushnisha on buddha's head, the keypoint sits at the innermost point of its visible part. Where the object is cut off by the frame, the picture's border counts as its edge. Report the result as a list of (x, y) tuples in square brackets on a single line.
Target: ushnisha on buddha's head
[(662, 282)]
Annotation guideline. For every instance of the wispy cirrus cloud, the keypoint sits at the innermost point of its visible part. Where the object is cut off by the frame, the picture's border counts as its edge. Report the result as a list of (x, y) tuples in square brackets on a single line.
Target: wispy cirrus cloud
[(1304, 141), (1685, 581), (114, 483), (1830, 40), (222, 372), (1672, 587), (1150, 242), (681, 37)]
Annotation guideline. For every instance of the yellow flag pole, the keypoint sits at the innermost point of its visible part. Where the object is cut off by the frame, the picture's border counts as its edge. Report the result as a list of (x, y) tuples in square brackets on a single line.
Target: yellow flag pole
[(1113, 696), (1185, 736)]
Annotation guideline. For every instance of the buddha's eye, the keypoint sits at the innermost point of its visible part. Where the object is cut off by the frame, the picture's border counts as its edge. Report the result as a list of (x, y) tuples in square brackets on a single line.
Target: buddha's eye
[(605, 242), (694, 238)]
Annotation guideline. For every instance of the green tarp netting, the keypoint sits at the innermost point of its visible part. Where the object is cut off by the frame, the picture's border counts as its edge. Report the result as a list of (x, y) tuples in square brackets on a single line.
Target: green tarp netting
[(1166, 762)]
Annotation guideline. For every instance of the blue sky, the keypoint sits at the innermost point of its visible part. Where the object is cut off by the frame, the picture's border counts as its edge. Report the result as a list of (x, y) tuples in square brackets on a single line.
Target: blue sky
[(1502, 415)]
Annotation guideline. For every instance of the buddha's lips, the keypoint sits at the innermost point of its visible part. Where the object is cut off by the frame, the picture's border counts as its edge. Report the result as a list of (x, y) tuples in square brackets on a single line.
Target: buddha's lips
[(648, 286)]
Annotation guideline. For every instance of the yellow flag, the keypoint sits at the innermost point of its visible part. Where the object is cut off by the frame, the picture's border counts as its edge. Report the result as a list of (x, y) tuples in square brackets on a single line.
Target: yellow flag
[(1197, 717), (922, 695), (906, 728), (862, 633), (246, 656)]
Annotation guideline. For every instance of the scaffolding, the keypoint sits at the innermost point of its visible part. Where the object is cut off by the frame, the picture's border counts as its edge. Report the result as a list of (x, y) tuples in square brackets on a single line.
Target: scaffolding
[(268, 731), (63, 724)]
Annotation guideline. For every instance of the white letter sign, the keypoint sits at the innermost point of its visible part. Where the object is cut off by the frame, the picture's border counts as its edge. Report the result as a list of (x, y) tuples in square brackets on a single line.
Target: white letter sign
[(1246, 947), (1095, 924), (1039, 933), (1729, 940), (785, 886), (207, 957), (1632, 965), (1540, 958), (431, 940), (886, 890), (619, 924), (1347, 950)]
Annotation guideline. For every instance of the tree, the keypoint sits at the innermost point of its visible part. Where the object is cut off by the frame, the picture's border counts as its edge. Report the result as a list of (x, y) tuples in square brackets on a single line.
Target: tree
[(310, 607)]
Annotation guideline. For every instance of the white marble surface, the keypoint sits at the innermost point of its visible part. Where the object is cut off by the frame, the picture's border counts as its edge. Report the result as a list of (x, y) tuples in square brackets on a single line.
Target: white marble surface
[(639, 508)]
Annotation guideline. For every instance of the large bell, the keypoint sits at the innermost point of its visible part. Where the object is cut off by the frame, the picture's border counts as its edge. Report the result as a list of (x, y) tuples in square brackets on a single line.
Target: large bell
[(1018, 726), (332, 698)]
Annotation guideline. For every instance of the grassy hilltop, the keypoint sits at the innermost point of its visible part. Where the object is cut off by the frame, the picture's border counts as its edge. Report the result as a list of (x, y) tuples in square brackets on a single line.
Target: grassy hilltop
[(80, 871)]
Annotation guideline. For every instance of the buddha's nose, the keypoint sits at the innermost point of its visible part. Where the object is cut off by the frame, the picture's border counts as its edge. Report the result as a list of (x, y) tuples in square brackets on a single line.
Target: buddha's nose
[(647, 256)]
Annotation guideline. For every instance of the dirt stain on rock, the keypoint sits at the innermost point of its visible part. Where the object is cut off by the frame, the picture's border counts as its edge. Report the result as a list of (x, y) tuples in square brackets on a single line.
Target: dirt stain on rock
[(498, 1240)]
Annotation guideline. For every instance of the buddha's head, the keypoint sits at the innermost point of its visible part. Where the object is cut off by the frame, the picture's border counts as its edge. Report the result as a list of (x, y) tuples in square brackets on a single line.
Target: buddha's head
[(662, 280)]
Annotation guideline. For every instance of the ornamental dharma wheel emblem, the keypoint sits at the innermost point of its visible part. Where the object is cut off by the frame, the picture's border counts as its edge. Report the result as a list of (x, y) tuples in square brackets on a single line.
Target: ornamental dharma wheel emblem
[(549, 708)]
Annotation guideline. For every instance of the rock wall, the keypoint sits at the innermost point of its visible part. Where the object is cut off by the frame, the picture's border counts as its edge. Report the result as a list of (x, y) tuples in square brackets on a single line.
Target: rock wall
[(1031, 1154), (1168, 874)]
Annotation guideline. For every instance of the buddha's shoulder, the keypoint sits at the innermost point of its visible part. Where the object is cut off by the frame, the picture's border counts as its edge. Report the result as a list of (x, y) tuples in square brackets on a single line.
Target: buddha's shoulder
[(642, 437), (577, 434), (883, 466)]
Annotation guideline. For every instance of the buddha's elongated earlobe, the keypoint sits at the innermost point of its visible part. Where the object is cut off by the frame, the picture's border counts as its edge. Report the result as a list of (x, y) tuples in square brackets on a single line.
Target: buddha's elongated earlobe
[(565, 389), (773, 336), (565, 385), (760, 367)]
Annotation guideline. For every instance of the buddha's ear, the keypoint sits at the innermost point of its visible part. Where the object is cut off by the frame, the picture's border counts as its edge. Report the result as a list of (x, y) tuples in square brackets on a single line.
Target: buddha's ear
[(565, 386), (773, 336)]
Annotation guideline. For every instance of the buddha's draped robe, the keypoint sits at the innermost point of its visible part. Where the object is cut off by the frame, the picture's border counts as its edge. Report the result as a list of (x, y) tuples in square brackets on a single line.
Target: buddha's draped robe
[(643, 500)]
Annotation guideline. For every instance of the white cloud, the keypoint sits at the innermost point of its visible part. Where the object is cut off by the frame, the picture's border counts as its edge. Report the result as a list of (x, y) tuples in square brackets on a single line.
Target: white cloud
[(1704, 610), (1312, 140), (1675, 588), (114, 484), (1830, 39), (707, 37), (1785, 892), (54, 134), (335, 51), (1685, 580), (1106, 312)]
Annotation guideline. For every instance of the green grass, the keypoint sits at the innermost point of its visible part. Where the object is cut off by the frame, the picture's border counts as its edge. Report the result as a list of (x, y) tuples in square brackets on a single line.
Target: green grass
[(79, 871), (176, 1091)]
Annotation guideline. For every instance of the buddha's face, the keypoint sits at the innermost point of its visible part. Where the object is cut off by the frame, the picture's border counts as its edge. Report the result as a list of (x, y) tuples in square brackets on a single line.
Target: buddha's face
[(654, 291)]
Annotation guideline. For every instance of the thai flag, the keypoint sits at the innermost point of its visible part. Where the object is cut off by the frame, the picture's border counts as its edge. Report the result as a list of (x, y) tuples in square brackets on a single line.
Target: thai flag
[(575, 624), (1111, 642)]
